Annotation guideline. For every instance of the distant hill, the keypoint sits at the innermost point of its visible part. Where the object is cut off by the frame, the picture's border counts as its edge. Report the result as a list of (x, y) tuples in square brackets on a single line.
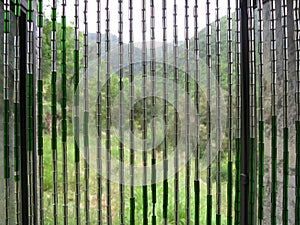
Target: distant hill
[(114, 52), (159, 52)]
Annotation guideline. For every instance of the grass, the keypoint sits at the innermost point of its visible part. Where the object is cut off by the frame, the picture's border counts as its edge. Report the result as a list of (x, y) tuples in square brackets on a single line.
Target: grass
[(48, 207)]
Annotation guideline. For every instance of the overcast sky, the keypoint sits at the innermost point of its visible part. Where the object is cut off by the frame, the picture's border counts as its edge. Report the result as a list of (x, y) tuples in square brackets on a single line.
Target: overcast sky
[(113, 5)]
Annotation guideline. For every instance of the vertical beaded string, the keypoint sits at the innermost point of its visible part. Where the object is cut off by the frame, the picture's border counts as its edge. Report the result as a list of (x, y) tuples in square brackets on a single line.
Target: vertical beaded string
[(131, 119), (144, 109), (165, 112), (121, 119), (230, 109), (176, 116), (285, 71), (187, 113), (218, 95), (260, 112), (64, 111), (54, 111), (99, 115), (196, 99), (108, 143), (17, 13), (252, 92), (238, 111), (86, 115), (296, 10), (76, 113), (273, 111), (29, 102), (40, 109), (153, 129), (6, 30), (208, 114)]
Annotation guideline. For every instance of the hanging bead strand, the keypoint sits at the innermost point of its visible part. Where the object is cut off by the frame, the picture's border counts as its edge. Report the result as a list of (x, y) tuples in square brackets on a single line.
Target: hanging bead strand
[(187, 114), (29, 88), (285, 61), (218, 95), (76, 113), (176, 119), (64, 111), (260, 112), (296, 10), (99, 120), (273, 111), (17, 148), (238, 111), (230, 110), (153, 113), (108, 119), (252, 73), (165, 112), (131, 119), (121, 119), (86, 116), (54, 111), (6, 30), (196, 94), (40, 110), (144, 109), (208, 115)]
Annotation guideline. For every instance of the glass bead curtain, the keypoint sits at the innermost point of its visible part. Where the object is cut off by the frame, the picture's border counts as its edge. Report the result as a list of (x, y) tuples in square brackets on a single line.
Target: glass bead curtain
[(150, 112)]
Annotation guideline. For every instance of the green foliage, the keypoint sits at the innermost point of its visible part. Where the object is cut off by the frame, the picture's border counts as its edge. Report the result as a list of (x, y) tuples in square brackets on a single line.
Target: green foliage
[(47, 71), (114, 81), (114, 92), (48, 207)]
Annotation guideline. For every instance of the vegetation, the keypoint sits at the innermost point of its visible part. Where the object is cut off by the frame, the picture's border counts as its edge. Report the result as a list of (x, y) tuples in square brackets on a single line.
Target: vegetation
[(115, 189), (115, 144), (114, 84)]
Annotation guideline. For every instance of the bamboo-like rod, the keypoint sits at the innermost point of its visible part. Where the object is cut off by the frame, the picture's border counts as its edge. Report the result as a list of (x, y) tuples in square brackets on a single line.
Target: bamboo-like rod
[(54, 111), (218, 129), (6, 30), (40, 109), (17, 14), (131, 119), (230, 112), (260, 111), (285, 71), (196, 102), (99, 120), (238, 111), (108, 118), (30, 113), (86, 115), (165, 112), (17, 129), (76, 113), (208, 114), (176, 115), (252, 92), (187, 113), (121, 117), (296, 12), (144, 110), (30, 94), (64, 110), (273, 110), (99, 115), (153, 112)]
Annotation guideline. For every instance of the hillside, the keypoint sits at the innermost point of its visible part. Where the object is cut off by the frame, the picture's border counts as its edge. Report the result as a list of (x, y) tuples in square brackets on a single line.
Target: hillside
[(159, 51)]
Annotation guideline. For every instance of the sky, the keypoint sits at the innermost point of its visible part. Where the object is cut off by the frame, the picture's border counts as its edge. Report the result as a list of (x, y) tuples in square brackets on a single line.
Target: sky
[(137, 16)]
